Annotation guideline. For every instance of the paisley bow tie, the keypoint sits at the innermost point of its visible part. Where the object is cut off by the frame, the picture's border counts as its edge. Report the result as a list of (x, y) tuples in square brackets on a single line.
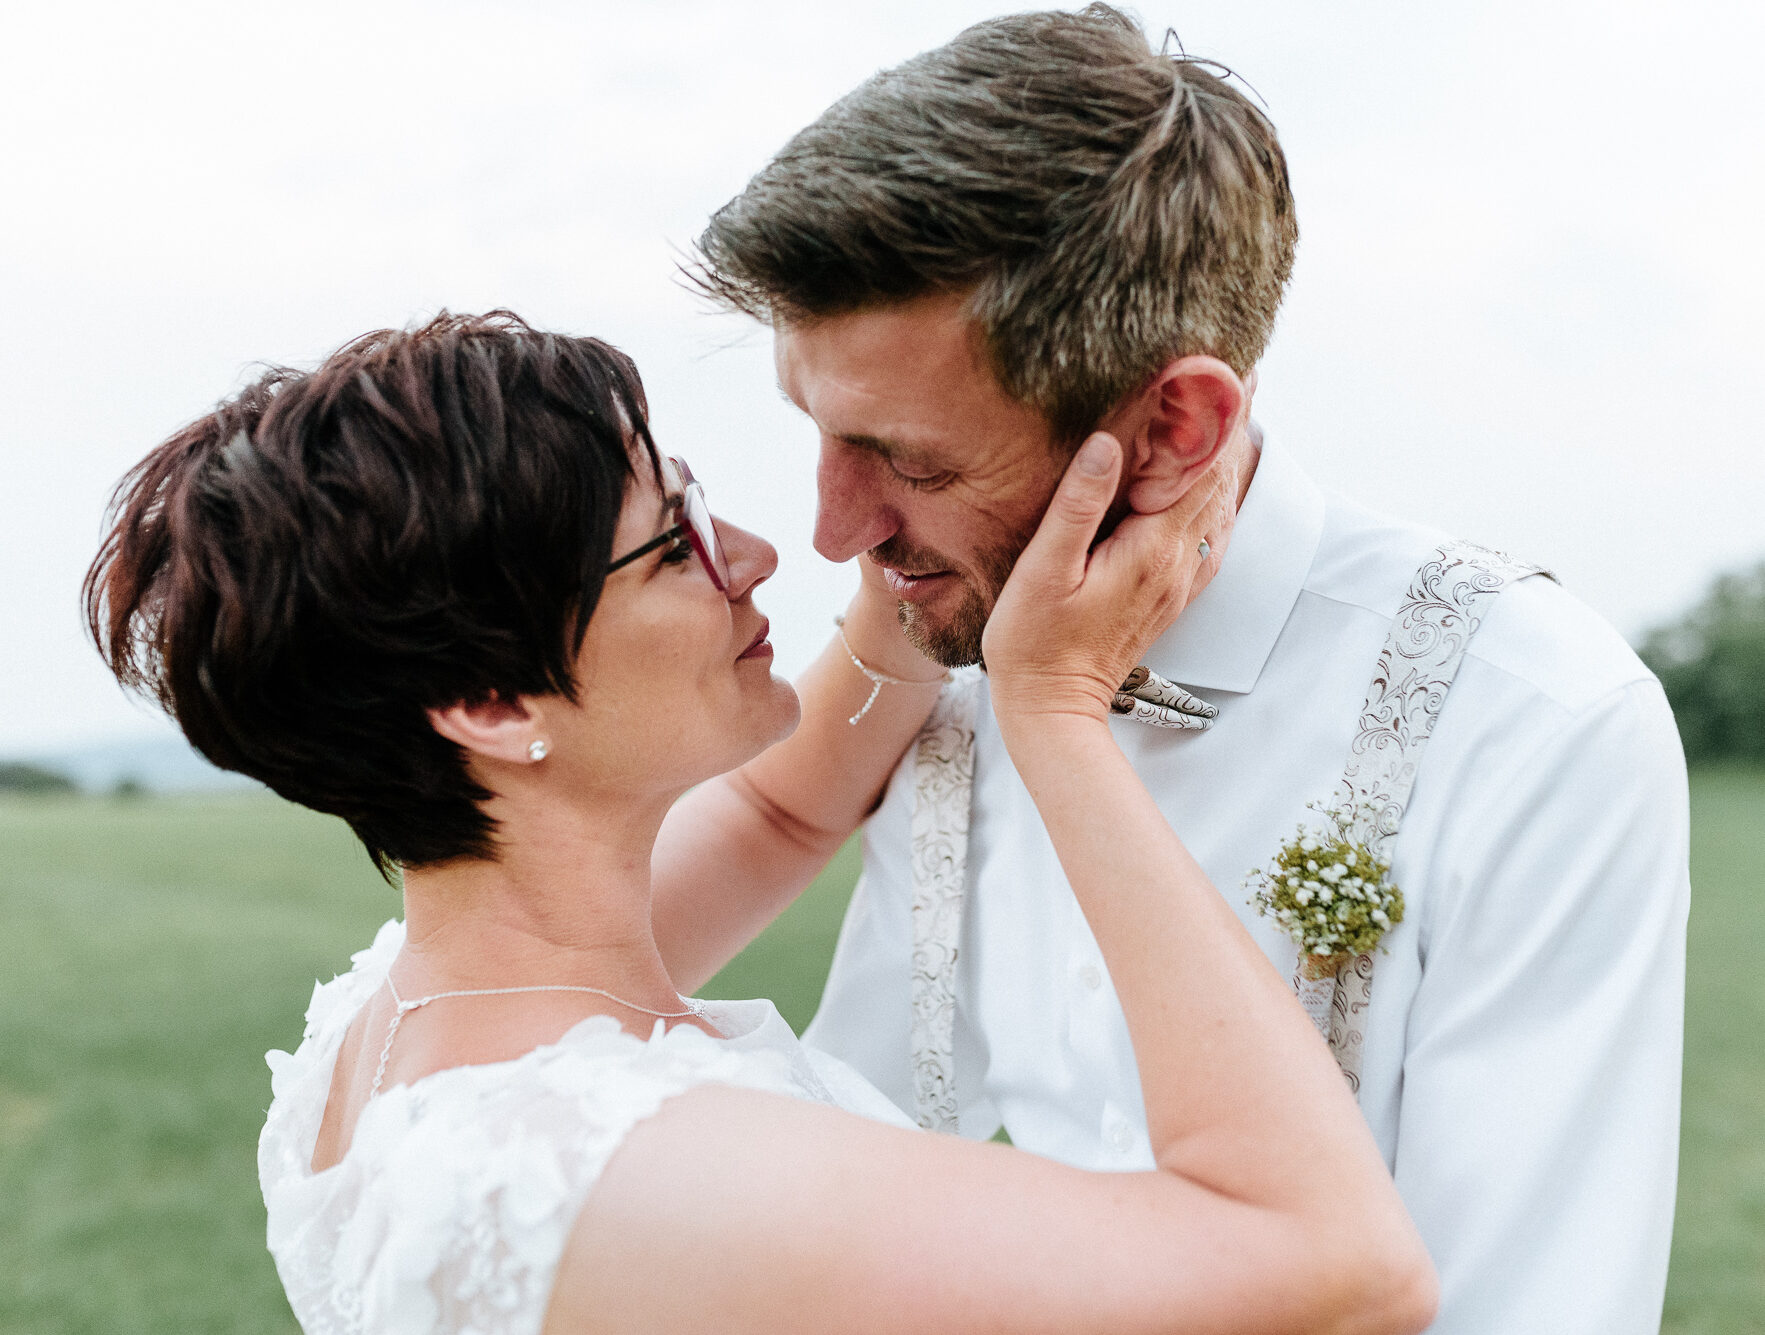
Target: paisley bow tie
[(1153, 699)]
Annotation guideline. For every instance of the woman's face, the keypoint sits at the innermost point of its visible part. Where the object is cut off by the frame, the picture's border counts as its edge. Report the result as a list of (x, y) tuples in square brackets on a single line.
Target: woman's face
[(674, 677)]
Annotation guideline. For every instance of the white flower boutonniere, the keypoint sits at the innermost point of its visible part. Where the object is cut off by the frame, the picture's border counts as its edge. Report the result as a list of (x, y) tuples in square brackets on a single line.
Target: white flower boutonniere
[(1329, 893)]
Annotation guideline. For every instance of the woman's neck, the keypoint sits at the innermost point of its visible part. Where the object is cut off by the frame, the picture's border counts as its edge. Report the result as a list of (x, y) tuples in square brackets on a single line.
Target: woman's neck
[(567, 900)]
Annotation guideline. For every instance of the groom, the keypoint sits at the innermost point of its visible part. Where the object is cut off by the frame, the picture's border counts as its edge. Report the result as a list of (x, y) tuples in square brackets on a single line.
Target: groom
[(1044, 228)]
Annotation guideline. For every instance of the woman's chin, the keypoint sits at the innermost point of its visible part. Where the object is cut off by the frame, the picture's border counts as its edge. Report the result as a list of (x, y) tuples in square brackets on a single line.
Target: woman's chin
[(788, 710), (764, 715), (773, 713), (796, 711)]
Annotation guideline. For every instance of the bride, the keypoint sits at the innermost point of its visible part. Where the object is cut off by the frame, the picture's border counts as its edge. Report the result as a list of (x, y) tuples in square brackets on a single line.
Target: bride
[(446, 588)]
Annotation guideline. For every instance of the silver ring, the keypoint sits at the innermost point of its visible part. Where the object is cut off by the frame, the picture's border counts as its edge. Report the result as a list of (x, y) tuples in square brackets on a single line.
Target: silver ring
[(1204, 549)]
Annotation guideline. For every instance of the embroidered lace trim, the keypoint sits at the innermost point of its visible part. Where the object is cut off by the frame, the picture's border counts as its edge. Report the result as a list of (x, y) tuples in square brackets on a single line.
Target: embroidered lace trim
[(451, 1209)]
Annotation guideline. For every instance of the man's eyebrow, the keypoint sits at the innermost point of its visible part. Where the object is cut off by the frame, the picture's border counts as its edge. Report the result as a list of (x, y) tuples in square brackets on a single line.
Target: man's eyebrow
[(875, 444), (891, 449), (879, 445)]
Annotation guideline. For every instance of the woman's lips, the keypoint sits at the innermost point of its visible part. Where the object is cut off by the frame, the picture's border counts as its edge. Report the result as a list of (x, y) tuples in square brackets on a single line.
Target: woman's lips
[(913, 588), (760, 646)]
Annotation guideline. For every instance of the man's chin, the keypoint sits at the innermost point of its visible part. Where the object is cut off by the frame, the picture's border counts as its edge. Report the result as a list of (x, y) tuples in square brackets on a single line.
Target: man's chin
[(951, 641)]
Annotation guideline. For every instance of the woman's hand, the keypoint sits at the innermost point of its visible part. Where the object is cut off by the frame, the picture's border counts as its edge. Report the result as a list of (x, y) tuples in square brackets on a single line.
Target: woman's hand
[(1260, 1150), (1073, 620)]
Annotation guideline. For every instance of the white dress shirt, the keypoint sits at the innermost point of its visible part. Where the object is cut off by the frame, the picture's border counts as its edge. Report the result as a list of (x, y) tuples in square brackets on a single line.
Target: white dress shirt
[(1522, 1062)]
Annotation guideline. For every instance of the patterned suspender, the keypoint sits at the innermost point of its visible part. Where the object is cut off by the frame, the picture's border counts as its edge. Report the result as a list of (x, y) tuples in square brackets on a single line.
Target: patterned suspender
[(943, 773), (1440, 612)]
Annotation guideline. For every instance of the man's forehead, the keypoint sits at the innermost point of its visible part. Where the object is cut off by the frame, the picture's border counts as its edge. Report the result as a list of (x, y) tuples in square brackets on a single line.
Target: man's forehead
[(869, 419), (903, 378)]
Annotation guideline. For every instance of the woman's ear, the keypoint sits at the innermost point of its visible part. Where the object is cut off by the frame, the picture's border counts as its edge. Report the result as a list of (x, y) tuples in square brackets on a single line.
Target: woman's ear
[(1189, 413), (496, 729)]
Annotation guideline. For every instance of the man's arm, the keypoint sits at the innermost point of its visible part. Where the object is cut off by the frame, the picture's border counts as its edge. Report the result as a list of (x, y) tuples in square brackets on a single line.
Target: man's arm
[(1538, 1145)]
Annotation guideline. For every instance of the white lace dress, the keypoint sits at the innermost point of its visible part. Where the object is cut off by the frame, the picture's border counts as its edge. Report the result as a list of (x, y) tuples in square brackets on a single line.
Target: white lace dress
[(451, 1209)]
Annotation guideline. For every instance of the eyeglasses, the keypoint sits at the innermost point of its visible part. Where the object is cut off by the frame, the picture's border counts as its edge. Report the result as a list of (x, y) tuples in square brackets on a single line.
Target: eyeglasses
[(696, 526)]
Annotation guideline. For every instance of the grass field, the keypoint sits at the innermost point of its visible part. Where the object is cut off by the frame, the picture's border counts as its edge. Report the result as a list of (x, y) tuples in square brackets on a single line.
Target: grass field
[(153, 949)]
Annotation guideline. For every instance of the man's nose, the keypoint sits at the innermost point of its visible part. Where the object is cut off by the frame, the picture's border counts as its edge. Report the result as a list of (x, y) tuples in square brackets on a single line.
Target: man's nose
[(851, 516), (752, 560)]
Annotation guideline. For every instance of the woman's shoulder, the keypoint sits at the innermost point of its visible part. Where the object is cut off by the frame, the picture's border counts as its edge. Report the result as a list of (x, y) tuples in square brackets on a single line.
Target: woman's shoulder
[(335, 1004), (542, 1126), (459, 1191), (300, 1081), (462, 1188)]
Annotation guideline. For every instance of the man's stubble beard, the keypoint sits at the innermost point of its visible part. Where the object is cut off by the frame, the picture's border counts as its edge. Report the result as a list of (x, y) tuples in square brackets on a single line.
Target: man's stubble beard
[(955, 641)]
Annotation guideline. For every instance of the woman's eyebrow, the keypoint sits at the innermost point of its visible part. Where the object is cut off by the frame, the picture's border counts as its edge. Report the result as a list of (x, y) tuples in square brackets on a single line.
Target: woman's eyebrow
[(672, 483)]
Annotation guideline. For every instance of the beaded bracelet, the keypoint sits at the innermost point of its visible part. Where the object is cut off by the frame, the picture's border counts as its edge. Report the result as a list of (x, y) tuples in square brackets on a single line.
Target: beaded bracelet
[(877, 679)]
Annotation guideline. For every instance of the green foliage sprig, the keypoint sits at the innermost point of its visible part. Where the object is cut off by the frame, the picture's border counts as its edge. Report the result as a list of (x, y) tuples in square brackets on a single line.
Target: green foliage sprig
[(1328, 892)]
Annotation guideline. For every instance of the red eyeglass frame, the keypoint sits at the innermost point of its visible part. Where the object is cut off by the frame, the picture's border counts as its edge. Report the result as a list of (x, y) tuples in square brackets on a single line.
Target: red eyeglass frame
[(697, 525)]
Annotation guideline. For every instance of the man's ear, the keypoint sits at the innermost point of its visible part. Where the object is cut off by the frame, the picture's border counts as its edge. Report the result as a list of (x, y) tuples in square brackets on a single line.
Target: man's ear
[(496, 729), (1188, 414)]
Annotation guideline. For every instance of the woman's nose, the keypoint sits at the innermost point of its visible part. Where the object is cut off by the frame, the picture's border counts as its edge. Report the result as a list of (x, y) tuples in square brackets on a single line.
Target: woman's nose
[(752, 559)]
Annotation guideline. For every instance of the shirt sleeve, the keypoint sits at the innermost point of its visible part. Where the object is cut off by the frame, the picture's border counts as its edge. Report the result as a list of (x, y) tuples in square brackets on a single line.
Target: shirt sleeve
[(864, 1018), (1538, 1142)]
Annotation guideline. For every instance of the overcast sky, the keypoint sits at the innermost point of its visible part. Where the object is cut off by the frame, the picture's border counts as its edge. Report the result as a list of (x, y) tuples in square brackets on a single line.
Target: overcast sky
[(1526, 306)]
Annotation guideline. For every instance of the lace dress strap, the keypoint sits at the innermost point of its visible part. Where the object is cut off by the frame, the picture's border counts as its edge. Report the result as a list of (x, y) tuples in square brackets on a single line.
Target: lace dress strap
[(451, 1209)]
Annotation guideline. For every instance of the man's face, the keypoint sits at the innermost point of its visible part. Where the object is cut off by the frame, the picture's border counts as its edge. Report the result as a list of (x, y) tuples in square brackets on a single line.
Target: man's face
[(927, 468)]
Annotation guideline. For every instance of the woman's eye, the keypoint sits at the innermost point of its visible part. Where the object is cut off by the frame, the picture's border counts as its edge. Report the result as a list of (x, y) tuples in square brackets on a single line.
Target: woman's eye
[(677, 551)]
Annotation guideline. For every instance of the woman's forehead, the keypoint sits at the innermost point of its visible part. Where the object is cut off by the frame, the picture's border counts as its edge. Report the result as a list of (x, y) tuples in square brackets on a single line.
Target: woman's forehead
[(648, 505), (652, 474)]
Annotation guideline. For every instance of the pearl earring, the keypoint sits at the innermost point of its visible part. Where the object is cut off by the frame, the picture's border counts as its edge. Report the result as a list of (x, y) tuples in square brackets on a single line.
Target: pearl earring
[(536, 749)]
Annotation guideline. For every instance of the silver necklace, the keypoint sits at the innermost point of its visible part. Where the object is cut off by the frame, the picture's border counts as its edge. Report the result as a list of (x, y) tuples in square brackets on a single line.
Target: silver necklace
[(402, 1008)]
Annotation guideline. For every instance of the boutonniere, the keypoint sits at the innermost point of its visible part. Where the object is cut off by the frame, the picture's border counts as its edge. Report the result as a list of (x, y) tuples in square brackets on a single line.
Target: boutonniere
[(1328, 892)]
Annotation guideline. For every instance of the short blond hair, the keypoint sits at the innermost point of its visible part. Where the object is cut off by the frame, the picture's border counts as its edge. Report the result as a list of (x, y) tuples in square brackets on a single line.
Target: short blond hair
[(1106, 206)]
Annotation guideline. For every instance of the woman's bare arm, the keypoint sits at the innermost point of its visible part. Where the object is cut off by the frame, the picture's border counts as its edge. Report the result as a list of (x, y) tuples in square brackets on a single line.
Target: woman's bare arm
[(737, 850), (1270, 1209)]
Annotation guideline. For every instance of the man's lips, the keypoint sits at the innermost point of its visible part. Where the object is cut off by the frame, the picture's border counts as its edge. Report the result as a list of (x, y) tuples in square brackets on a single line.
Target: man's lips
[(913, 588), (759, 646)]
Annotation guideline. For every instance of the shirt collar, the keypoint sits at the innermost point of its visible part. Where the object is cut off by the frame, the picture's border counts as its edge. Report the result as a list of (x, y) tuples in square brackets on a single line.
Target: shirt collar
[(1223, 638)]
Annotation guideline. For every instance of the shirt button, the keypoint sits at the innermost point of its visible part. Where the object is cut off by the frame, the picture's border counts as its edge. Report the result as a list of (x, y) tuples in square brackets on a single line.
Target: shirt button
[(1091, 976), (1120, 1137)]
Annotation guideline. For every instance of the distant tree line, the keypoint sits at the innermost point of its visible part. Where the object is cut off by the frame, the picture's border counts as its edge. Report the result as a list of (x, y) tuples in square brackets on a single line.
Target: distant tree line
[(23, 777), (1712, 664)]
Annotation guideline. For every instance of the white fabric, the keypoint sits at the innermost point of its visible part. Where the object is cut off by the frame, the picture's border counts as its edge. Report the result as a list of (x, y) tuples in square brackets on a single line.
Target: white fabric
[(1148, 698), (943, 761), (1523, 1046), (451, 1209)]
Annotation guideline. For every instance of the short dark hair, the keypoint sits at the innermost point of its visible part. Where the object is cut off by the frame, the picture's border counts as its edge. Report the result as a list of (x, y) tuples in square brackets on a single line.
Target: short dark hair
[(424, 519), (1110, 208)]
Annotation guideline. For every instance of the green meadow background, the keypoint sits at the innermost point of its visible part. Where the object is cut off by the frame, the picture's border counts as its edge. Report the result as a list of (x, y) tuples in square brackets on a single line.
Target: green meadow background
[(153, 948)]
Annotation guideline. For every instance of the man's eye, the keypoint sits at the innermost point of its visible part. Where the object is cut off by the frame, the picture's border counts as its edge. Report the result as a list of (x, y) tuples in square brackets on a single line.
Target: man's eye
[(920, 481)]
